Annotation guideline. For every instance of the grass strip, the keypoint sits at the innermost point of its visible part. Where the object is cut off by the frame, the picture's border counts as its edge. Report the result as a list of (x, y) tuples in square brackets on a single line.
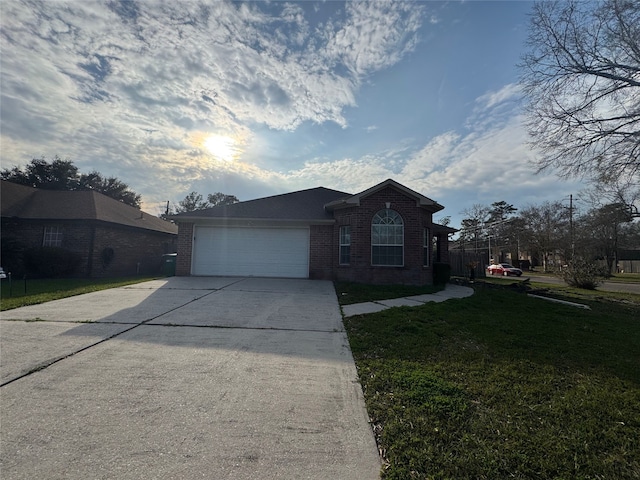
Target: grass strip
[(45, 290)]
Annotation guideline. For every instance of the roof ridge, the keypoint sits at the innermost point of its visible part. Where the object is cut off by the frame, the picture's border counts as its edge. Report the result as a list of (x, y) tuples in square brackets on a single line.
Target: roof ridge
[(94, 206), (297, 191)]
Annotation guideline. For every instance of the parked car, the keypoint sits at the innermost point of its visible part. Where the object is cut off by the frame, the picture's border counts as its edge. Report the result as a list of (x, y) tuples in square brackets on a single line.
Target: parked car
[(503, 269)]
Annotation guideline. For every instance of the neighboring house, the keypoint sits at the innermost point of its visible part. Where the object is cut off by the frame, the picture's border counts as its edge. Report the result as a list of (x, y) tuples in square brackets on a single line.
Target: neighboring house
[(383, 235), (111, 237)]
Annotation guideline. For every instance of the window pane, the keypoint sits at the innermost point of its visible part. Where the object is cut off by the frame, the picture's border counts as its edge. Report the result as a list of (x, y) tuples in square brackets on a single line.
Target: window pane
[(345, 245), (375, 234), (345, 235), (52, 237), (345, 255), (387, 238), (387, 255)]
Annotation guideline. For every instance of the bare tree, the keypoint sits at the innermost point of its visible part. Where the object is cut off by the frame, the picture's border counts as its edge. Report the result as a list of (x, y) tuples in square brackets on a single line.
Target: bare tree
[(545, 230), (581, 76), (473, 225), (602, 230)]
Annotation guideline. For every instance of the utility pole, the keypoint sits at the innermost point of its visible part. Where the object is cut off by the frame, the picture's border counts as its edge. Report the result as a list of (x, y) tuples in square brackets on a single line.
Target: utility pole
[(573, 248)]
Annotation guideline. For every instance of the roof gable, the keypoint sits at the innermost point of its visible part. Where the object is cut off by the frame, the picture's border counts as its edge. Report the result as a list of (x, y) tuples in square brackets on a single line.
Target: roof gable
[(39, 204), (354, 200), (305, 205)]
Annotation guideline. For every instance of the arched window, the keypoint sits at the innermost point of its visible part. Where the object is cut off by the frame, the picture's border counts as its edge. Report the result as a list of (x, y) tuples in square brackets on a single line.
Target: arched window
[(387, 239)]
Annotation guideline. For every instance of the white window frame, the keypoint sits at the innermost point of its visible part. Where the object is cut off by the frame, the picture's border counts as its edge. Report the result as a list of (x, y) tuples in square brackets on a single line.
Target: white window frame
[(345, 245), (53, 236), (387, 230)]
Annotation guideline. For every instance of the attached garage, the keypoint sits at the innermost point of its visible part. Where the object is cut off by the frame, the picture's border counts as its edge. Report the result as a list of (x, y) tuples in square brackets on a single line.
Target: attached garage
[(251, 251), (316, 233)]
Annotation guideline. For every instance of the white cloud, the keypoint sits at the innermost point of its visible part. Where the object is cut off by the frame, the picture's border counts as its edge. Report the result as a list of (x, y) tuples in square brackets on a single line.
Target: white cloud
[(375, 35), (507, 93), (491, 159), (85, 68), (133, 89), (125, 88)]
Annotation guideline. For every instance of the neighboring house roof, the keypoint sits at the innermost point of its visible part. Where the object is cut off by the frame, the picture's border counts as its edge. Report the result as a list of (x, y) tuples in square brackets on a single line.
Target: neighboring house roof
[(354, 200), (315, 204), (437, 228), (20, 201), (305, 205)]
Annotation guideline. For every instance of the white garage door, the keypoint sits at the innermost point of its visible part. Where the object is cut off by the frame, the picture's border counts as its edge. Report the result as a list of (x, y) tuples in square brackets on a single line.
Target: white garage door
[(260, 252)]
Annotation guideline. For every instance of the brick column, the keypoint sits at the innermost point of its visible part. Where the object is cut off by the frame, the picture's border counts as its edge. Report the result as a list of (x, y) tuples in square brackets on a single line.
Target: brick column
[(185, 249)]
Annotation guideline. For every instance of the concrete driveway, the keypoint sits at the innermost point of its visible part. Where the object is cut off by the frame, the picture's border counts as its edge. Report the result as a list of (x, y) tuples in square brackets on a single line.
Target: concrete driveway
[(183, 378)]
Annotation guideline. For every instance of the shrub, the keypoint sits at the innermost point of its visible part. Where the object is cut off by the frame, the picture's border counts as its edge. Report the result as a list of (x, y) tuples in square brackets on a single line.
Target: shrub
[(11, 252), (441, 273), (583, 274), (51, 262)]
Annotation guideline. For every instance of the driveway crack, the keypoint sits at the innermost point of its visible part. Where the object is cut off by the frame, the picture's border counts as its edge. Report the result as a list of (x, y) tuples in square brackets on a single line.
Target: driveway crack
[(46, 365)]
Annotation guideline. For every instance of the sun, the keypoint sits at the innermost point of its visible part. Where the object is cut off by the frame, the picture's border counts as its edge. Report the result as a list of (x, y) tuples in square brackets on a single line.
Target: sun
[(221, 147)]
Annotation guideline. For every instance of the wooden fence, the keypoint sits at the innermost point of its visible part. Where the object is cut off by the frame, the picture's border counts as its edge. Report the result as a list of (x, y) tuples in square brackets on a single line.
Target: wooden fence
[(629, 266), (460, 262)]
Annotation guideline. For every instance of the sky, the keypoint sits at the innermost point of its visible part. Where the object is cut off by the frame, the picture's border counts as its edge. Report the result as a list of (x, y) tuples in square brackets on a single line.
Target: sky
[(258, 99)]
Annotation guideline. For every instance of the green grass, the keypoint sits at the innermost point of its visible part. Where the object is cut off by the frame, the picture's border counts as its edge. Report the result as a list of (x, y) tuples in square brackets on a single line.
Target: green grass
[(350, 293), (625, 278), (566, 292), (45, 290), (501, 385)]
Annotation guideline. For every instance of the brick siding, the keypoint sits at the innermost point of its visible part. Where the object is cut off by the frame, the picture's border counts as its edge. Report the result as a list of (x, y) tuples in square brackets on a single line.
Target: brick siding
[(185, 249), (359, 218), (322, 252), (136, 251), (324, 240)]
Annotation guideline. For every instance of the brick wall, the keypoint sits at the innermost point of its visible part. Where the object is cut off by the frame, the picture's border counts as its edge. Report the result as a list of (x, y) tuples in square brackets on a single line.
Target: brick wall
[(185, 249), (359, 218), (322, 252), (134, 250)]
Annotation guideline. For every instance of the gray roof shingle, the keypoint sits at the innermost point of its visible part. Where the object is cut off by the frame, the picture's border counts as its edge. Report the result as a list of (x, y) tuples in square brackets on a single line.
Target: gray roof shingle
[(38, 204), (301, 205)]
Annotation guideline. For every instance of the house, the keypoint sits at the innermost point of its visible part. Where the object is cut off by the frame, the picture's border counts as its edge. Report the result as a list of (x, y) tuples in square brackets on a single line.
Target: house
[(383, 235), (111, 238)]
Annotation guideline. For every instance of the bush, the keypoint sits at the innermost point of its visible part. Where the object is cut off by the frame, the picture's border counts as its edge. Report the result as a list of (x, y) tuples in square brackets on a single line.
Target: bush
[(583, 274), (51, 262), (441, 273), (11, 252)]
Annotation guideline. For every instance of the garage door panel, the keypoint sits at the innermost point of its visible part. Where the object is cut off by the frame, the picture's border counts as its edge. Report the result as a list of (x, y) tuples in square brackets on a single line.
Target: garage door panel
[(272, 252)]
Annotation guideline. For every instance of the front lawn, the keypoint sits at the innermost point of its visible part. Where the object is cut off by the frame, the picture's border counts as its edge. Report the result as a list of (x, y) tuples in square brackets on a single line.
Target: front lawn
[(33, 291), (501, 385)]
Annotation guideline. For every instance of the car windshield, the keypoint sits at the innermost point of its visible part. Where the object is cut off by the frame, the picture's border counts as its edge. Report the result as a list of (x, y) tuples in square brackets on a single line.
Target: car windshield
[(506, 265)]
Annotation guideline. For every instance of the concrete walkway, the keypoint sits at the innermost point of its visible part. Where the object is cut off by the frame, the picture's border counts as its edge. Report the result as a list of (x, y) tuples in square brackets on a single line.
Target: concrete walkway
[(450, 291)]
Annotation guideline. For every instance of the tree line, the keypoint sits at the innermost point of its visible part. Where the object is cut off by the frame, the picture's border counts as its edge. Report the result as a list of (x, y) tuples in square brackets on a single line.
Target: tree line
[(588, 228), (64, 175), (581, 85)]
